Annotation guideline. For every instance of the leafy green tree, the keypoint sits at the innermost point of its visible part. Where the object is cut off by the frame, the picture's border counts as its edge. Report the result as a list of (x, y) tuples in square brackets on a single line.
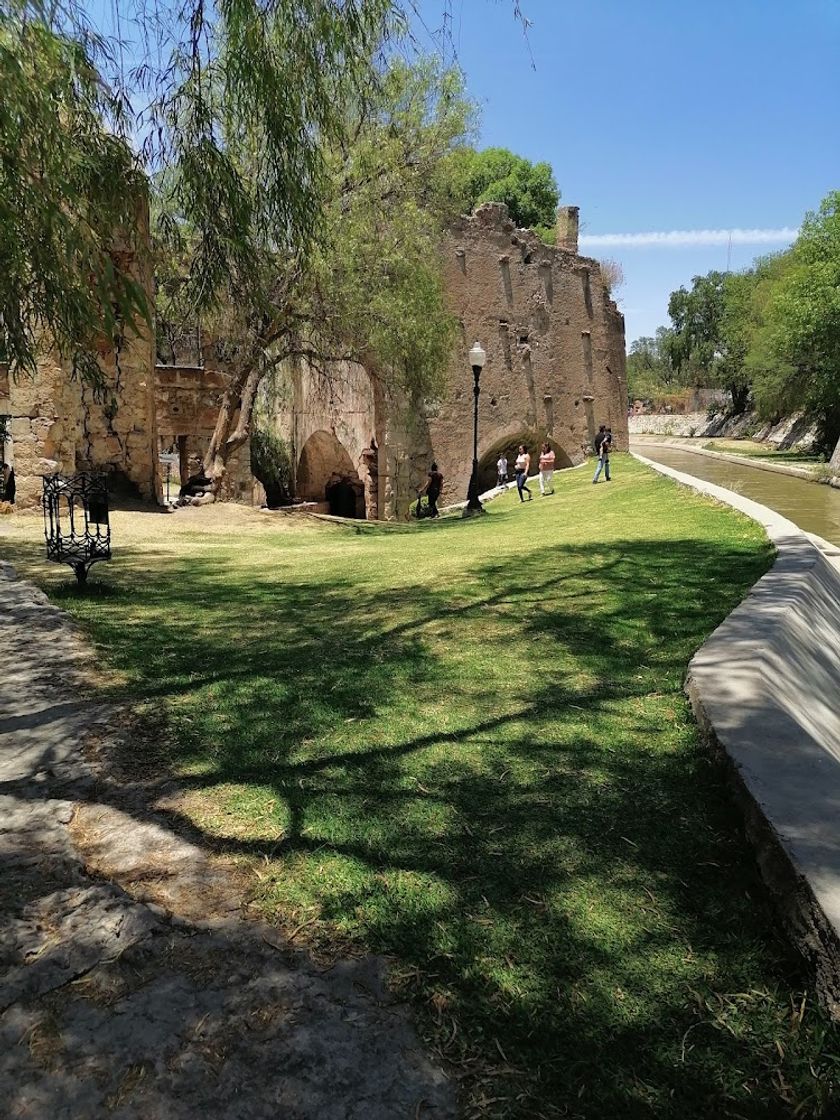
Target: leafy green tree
[(650, 371), (529, 190), (70, 187), (795, 347), (242, 101), (707, 344), (369, 287)]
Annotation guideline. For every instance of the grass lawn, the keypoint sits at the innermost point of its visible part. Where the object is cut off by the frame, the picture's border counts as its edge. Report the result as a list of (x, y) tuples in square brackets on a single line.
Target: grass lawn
[(465, 745)]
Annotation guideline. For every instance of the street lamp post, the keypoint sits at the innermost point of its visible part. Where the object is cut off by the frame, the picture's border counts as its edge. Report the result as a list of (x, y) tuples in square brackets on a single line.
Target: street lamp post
[(477, 359)]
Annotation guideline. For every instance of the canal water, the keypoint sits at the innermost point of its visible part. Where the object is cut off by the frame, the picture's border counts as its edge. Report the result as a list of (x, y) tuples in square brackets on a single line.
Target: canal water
[(812, 507)]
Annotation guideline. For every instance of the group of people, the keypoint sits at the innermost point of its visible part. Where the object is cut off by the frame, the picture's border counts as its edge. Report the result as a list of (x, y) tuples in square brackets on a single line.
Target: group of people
[(522, 466)]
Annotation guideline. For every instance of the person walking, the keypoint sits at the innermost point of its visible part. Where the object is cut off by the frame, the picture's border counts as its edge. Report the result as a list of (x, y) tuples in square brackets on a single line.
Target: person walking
[(604, 448), (522, 466), (501, 470), (546, 470), (432, 489)]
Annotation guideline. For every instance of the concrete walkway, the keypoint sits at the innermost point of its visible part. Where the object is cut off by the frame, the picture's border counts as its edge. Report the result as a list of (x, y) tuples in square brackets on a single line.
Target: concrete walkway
[(118, 997), (765, 687)]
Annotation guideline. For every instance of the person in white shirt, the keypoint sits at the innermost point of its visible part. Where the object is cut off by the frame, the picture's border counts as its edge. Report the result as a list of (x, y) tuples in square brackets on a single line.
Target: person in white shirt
[(501, 470), (522, 466)]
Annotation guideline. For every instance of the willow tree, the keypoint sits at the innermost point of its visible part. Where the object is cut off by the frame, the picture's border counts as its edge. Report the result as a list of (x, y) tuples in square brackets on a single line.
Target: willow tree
[(227, 107), (68, 181), (367, 286)]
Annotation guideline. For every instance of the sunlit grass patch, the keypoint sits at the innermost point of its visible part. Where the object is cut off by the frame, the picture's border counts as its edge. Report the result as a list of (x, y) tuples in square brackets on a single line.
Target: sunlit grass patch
[(465, 745)]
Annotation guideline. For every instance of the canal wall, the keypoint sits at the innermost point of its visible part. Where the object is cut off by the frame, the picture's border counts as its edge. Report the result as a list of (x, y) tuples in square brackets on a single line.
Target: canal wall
[(791, 432), (764, 689)]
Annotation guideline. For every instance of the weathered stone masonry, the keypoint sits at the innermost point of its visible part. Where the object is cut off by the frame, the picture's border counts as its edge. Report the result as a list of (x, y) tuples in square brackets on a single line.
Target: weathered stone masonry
[(555, 371)]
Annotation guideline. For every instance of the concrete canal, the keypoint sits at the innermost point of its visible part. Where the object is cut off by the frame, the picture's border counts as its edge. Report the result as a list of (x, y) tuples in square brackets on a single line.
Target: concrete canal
[(813, 507)]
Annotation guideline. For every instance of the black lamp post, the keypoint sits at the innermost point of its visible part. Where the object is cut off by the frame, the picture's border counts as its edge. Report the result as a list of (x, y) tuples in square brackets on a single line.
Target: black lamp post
[(477, 359)]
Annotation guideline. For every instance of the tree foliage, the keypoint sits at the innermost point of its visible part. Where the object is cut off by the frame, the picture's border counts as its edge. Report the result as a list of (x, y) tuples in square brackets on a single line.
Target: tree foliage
[(529, 190), (70, 192), (369, 287), (706, 341), (769, 333), (794, 356), (650, 371), (271, 464)]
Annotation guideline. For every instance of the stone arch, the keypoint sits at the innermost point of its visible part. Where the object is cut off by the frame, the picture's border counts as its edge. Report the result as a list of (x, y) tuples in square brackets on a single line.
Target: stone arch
[(508, 441), (326, 473)]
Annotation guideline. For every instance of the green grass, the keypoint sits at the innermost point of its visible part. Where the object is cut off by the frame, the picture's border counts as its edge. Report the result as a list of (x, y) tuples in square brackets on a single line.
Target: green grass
[(750, 450), (465, 745)]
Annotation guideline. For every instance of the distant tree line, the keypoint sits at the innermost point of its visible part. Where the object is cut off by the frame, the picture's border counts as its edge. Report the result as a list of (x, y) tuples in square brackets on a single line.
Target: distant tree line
[(768, 335)]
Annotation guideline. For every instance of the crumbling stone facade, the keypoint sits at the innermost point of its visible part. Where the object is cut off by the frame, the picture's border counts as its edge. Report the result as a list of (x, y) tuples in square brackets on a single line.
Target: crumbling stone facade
[(57, 424), (186, 400), (555, 370)]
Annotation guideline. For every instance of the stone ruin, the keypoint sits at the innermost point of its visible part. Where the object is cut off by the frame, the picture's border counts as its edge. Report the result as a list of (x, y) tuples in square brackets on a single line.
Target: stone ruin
[(555, 370)]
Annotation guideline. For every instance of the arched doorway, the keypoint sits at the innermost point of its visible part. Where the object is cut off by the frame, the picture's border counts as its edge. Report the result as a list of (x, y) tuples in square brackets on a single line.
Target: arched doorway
[(326, 473), (510, 446)]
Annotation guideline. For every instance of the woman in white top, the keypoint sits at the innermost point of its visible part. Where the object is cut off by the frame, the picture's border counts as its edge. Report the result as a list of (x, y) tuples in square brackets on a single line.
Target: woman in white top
[(522, 466)]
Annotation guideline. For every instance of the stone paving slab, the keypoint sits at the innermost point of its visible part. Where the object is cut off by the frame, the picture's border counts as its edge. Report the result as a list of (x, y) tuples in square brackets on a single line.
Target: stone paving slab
[(129, 986)]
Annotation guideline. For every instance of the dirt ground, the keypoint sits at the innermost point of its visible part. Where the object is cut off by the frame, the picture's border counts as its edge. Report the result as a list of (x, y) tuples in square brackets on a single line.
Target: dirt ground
[(131, 986)]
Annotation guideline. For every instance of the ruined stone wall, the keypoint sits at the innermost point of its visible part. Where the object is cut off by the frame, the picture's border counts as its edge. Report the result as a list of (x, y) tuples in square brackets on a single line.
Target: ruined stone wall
[(186, 400), (554, 339), (59, 425), (555, 369)]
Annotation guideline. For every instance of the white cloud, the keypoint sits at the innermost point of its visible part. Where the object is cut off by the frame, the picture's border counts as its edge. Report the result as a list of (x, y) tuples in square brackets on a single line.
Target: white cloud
[(679, 238)]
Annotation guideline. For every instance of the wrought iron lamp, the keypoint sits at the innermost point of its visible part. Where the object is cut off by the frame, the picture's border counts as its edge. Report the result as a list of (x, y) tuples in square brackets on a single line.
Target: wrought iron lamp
[(76, 524), (477, 359)]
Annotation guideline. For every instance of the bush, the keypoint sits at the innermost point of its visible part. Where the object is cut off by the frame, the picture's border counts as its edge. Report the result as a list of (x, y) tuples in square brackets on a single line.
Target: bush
[(271, 464)]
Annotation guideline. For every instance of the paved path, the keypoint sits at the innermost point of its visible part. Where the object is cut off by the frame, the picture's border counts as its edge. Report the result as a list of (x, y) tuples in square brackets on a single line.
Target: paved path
[(114, 1005)]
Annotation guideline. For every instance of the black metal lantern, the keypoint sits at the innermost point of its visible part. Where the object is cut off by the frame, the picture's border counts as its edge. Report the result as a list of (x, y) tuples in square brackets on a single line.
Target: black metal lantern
[(76, 523)]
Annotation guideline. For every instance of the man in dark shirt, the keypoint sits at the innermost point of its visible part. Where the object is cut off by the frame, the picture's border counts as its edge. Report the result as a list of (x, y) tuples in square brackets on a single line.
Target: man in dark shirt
[(432, 488), (599, 439)]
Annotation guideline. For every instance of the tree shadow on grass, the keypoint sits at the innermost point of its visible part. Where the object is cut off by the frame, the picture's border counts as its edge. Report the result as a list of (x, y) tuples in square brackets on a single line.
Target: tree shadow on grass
[(548, 856)]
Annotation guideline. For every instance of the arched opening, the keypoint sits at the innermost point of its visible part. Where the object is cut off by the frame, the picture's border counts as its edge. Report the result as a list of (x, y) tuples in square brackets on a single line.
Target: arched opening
[(509, 446), (326, 473)]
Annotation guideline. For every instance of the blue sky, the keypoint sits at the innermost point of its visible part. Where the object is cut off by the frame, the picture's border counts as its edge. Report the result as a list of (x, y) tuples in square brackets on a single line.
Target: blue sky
[(662, 115)]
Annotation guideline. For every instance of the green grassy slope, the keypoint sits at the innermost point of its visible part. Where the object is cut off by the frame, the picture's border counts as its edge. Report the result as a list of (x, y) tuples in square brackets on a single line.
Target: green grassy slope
[(465, 744)]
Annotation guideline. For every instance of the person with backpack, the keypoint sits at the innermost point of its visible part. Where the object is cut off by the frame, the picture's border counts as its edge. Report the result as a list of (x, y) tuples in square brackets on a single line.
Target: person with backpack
[(603, 445)]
